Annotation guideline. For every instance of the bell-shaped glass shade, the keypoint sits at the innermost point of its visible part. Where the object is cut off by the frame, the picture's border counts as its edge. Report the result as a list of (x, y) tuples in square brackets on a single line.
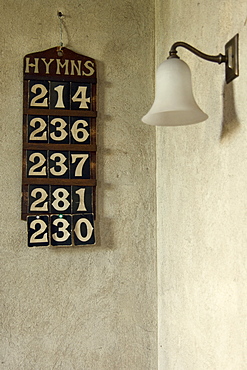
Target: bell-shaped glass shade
[(174, 103)]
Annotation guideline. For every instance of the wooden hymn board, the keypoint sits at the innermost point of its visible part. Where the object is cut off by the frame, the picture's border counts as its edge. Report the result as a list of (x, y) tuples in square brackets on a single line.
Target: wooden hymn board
[(59, 148)]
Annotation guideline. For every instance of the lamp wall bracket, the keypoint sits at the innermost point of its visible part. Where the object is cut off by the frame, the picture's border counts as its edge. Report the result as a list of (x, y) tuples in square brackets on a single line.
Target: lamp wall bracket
[(232, 62), (230, 58)]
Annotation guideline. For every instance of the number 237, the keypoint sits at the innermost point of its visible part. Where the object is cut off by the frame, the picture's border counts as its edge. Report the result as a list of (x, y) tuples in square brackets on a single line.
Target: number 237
[(39, 167)]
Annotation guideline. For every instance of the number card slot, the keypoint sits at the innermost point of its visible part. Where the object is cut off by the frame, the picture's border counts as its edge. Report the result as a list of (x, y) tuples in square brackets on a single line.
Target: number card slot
[(81, 96), (39, 199), (37, 164), (83, 229), (39, 94), (64, 164), (61, 231), (80, 130), (59, 130), (60, 95), (37, 129), (38, 231), (59, 199), (59, 164), (80, 165), (82, 199)]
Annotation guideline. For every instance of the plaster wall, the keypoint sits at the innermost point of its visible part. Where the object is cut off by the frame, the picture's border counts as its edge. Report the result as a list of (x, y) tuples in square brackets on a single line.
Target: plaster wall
[(94, 307), (202, 198)]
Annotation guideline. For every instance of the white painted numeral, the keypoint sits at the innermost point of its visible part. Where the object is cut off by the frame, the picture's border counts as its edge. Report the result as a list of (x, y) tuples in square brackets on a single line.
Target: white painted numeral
[(81, 206), (59, 129), (59, 90), (63, 228), (35, 236), (76, 130), (89, 227), (82, 159), (36, 204), (41, 95), (33, 171), (40, 128), (59, 163), (60, 199), (80, 97)]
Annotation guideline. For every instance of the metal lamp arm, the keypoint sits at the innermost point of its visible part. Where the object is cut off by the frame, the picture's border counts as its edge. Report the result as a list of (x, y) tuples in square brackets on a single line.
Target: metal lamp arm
[(220, 58)]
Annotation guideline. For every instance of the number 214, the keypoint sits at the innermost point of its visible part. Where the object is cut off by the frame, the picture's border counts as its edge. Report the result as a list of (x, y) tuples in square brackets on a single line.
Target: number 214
[(41, 99)]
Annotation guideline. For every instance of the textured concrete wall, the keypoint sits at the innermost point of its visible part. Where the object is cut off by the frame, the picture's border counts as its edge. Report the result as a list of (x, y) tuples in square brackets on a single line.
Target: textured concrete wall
[(202, 198), (85, 308)]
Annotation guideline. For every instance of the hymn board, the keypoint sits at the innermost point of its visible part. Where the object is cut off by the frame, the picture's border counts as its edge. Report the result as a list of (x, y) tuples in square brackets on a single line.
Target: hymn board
[(59, 148)]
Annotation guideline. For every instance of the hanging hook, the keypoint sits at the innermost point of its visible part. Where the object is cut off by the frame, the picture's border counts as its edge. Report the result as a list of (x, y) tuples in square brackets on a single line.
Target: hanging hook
[(59, 48)]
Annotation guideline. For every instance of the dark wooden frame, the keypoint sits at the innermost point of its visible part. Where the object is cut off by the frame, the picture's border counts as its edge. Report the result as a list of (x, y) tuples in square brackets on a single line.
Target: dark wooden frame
[(62, 54)]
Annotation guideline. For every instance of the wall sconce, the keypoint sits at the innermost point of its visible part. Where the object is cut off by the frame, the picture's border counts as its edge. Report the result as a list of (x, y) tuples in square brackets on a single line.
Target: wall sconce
[(174, 103)]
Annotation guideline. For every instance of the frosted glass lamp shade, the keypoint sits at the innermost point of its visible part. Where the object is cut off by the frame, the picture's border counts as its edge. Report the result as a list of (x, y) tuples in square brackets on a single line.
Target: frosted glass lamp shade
[(174, 103)]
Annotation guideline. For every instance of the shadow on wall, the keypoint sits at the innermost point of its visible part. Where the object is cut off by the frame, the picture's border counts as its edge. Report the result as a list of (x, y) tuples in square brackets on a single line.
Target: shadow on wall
[(230, 122), (103, 224)]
